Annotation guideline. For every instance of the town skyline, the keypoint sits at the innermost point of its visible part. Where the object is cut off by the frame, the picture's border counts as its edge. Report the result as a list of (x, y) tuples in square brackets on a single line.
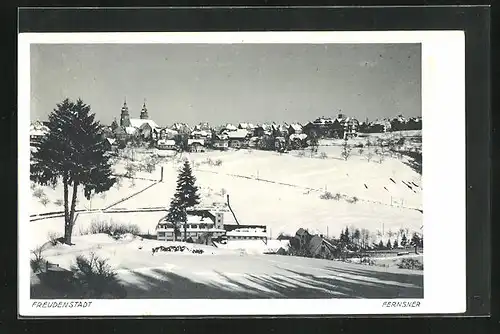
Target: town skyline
[(221, 84)]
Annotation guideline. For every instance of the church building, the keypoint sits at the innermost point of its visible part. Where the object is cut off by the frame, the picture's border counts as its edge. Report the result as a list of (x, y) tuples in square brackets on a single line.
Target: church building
[(141, 127)]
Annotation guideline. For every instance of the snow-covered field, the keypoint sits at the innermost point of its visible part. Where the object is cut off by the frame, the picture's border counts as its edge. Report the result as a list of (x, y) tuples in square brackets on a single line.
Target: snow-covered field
[(228, 273), (281, 191)]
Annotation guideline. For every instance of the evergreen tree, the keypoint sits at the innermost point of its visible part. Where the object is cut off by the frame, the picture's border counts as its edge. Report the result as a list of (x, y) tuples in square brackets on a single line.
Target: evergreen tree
[(404, 241), (380, 245), (415, 242), (356, 236), (73, 151), (176, 215), (395, 245), (389, 244), (347, 236), (186, 195)]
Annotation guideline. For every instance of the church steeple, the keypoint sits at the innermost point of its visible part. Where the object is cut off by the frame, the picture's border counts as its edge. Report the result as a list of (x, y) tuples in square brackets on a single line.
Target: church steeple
[(144, 111), (125, 117)]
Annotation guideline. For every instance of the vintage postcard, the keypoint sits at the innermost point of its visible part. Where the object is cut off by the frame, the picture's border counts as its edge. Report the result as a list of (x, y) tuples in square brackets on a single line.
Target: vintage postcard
[(245, 173)]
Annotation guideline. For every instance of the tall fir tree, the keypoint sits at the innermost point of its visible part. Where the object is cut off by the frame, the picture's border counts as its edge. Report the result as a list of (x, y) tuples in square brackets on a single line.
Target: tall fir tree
[(389, 244), (176, 215), (395, 245), (72, 151), (186, 195), (415, 242), (404, 241), (347, 236)]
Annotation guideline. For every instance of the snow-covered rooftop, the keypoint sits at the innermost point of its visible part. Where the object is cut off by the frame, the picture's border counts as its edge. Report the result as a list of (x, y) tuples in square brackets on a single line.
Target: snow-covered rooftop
[(296, 126), (130, 130), (202, 133), (230, 127), (300, 136), (167, 142), (137, 123), (237, 134), (193, 141)]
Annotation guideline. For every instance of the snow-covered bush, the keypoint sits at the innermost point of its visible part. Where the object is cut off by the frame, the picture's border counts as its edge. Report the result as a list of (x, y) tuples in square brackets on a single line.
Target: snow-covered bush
[(59, 202), (38, 193), (96, 277), (37, 260), (326, 195), (111, 228), (218, 162), (410, 263), (130, 170), (369, 156), (346, 150), (301, 154), (54, 238), (44, 200), (323, 155), (352, 200)]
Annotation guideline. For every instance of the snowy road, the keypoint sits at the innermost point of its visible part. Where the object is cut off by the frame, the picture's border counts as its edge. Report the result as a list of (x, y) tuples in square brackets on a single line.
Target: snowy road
[(267, 276)]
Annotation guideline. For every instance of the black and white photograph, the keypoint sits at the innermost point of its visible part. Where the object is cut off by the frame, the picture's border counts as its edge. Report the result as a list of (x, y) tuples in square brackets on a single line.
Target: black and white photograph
[(232, 169)]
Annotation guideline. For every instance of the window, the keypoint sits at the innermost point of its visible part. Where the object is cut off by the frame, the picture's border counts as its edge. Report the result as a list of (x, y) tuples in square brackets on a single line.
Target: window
[(161, 234)]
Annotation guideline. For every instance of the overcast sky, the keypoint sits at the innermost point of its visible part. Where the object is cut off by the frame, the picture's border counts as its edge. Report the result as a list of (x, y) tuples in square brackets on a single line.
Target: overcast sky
[(229, 83)]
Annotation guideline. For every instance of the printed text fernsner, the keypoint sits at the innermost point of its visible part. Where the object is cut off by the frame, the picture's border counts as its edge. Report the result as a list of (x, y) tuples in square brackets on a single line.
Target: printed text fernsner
[(401, 304), (61, 304)]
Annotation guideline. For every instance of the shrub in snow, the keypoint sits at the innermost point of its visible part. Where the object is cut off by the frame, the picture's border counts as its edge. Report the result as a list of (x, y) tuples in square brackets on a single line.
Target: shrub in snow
[(326, 195), (369, 156), (32, 186), (112, 229), (323, 155), (54, 238), (96, 277), (59, 202), (346, 150), (218, 162), (130, 170), (44, 200), (366, 260), (360, 151), (301, 154), (38, 193), (37, 262), (352, 200), (410, 263)]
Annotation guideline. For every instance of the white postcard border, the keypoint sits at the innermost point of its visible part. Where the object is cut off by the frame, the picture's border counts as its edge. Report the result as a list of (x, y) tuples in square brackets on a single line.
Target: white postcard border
[(443, 114)]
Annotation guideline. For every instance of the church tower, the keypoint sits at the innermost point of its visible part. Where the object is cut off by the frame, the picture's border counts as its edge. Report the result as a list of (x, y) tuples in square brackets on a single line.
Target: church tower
[(125, 117), (144, 111)]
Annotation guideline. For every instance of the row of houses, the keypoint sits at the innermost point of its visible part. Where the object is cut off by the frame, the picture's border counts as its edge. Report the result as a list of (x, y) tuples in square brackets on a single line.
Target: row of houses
[(270, 136)]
